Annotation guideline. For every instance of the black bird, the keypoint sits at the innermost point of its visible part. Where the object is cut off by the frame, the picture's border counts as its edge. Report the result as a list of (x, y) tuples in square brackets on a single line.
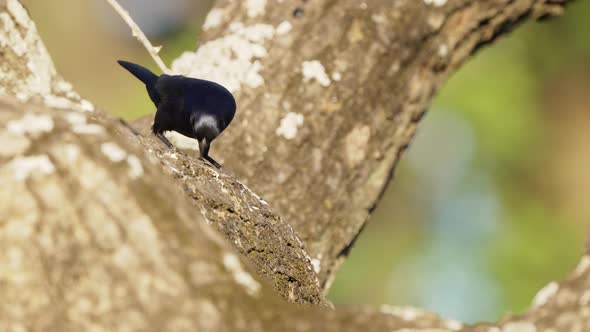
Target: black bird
[(195, 108)]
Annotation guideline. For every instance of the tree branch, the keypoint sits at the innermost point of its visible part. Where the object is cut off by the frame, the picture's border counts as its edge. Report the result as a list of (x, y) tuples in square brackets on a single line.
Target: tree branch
[(93, 235), (138, 33), (329, 100)]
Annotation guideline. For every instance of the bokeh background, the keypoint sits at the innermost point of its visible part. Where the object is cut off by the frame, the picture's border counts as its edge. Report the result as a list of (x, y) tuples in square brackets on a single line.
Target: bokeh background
[(490, 202)]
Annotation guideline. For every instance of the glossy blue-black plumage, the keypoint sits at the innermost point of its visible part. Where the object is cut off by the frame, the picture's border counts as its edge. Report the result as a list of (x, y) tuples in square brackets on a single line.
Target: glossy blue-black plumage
[(195, 108)]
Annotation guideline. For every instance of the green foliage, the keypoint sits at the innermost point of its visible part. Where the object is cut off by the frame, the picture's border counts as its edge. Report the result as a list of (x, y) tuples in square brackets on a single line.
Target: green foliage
[(496, 93), (534, 246)]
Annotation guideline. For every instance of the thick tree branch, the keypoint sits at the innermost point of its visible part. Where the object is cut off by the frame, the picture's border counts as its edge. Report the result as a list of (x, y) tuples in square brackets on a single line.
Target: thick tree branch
[(245, 219), (93, 235), (329, 100), (248, 222), (91, 239)]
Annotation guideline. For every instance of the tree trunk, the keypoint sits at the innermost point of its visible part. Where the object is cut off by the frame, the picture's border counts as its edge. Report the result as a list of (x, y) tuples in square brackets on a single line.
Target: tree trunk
[(103, 229)]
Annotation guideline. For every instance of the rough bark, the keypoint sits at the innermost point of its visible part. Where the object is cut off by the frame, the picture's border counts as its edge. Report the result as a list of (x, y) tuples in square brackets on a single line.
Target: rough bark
[(103, 230), (89, 237), (94, 236), (330, 98), (245, 219)]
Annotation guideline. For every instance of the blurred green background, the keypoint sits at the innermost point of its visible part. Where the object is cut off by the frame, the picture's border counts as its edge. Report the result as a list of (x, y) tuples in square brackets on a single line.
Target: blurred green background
[(489, 203)]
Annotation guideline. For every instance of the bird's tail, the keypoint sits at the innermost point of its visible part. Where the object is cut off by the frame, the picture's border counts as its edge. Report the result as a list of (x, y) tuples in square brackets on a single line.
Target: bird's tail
[(142, 73)]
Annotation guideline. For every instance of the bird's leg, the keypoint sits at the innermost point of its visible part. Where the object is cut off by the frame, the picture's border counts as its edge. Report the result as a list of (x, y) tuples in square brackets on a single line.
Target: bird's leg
[(204, 151), (165, 141), (213, 162)]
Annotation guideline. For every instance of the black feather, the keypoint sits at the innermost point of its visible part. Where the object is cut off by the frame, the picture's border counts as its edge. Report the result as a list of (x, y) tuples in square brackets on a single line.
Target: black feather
[(193, 107)]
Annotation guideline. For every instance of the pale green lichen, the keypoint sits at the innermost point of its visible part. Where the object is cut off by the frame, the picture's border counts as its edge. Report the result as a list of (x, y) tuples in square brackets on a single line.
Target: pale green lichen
[(71, 152), (255, 7), (519, 327), (314, 70), (31, 124), (243, 278), (405, 313), (88, 129), (135, 167), (289, 125), (233, 60), (113, 151), (545, 294), (25, 167), (214, 19), (582, 266), (13, 144), (355, 144)]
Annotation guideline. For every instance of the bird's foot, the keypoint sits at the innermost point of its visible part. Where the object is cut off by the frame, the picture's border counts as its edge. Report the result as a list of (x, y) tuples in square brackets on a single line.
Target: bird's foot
[(166, 142), (212, 162)]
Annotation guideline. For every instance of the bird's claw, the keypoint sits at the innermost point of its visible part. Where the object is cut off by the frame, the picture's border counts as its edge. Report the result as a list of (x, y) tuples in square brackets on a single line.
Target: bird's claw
[(211, 162)]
